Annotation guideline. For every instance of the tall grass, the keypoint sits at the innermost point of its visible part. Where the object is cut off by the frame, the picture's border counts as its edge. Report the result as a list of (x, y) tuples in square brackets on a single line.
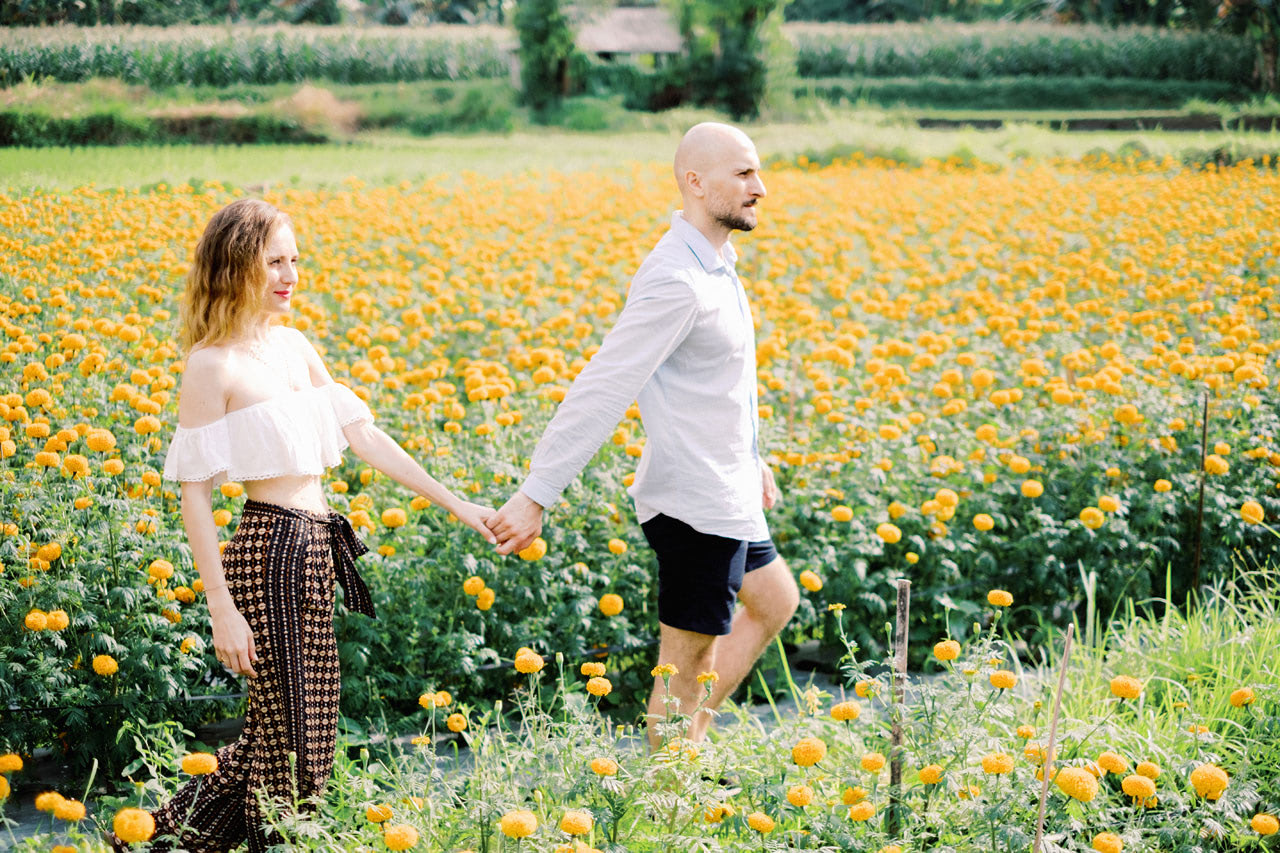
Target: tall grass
[(223, 56), (980, 51)]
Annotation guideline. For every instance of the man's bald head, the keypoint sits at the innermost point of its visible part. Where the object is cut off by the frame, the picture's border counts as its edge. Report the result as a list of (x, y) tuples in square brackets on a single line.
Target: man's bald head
[(707, 144)]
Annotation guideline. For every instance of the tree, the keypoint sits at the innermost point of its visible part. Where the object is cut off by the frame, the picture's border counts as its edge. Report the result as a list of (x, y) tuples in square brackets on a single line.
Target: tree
[(726, 60), (546, 50)]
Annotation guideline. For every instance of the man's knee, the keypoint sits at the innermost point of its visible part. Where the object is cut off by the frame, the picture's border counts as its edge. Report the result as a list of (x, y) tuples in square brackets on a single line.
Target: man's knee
[(771, 596)]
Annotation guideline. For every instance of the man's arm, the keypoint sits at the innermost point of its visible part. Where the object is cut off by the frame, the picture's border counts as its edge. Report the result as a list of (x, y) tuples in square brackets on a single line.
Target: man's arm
[(655, 320)]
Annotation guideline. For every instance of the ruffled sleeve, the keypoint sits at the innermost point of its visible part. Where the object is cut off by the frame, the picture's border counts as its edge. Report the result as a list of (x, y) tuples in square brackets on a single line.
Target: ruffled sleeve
[(347, 406), (196, 455)]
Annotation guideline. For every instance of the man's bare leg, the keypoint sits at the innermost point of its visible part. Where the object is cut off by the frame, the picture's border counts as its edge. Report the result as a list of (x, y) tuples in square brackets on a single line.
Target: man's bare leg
[(769, 598), (692, 653)]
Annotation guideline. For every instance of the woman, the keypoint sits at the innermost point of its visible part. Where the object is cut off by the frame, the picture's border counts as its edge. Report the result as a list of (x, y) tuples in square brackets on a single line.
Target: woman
[(257, 405)]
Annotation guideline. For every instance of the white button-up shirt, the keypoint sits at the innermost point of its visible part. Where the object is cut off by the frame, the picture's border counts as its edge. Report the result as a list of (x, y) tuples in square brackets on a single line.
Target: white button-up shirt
[(684, 349)]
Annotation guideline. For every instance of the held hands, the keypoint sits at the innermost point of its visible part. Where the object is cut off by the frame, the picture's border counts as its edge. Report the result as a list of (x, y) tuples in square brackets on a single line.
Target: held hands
[(477, 517), (517, 524)]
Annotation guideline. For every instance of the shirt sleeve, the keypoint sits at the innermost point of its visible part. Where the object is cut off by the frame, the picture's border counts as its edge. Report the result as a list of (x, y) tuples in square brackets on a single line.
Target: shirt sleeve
[(655, 320)]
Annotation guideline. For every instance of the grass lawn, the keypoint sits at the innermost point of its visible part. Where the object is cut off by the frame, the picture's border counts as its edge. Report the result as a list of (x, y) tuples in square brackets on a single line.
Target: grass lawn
[(385, 158)]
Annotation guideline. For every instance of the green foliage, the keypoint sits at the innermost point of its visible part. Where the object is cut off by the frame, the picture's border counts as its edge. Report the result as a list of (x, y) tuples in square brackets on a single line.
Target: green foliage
[(1020, 93), (229, 56), (1007, 50), (546, 54)]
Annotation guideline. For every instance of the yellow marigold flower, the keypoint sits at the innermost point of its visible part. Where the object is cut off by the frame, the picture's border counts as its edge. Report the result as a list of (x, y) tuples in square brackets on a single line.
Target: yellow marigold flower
[(1092, 517), (1138, 786), (604, 766), (842, 513), (1032, 488), (10, 762), (473, 585), (133, 826), (808, 751), (946, 498), (999, 598), (1003, 679), (48, 801), (1215, 464), (456, 723), (485, 599), (800, 795), (592, 669), (528, 661), (617, 546), (856, 794), (718, 812), (872, 762), (536, 550), (710, 677), (1077, 783), (69, 810), (867, 688), (1126, 687), (1241, 697), (810, 581), (1035, 753), (931, 774), (401, 836), (100, 440), (611, 604), (36, 620), (105, 665), (1209, 779), (890, 848), (760, 822), (378, 813), (664, 670), (997, 763), (846, 711), (946, 650), (1113, 762), (1251, 511), (576, 823), (1265, 824), (443, 698), (519, 823), (835, 607), (1107, 842), (862, 811), (1026, 732), (1162, 485), (599, 686), (221, 517), (394, 517), (890, 533), (4, 788), (1148, 769), (199, 764), (983, 522)]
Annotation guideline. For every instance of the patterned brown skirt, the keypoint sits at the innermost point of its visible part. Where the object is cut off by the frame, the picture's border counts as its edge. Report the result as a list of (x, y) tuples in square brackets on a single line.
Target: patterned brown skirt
[(280, 567)]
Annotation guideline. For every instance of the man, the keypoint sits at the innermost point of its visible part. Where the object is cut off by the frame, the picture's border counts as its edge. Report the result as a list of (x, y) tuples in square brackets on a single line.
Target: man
[(684, 349)]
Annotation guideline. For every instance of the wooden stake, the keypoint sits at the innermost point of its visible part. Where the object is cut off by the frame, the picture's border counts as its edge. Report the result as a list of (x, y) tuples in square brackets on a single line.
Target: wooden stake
[(1204, 454), (1053, 736), (901, 623)]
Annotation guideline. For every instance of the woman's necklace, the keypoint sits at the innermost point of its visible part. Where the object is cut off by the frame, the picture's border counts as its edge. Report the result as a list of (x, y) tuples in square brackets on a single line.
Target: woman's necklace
[(267, 352)]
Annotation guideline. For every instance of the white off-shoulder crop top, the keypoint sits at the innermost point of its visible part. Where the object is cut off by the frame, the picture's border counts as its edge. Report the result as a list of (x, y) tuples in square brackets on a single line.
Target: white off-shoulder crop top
[(294, 434)]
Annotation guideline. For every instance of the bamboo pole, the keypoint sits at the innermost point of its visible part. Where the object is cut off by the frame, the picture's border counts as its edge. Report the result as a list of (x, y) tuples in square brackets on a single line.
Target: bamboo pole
[(901, 622), (1053, 736)]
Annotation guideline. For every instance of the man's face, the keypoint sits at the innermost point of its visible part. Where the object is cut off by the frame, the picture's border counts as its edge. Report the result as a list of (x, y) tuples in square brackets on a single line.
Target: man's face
[(733, 187)]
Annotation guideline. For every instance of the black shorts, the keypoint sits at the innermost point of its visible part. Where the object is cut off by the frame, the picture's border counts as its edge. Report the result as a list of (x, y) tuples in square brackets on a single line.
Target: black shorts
[(699, 574)]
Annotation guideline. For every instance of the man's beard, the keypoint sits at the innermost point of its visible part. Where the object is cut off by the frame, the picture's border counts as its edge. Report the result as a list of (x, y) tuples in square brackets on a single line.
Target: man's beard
[(735, 221)]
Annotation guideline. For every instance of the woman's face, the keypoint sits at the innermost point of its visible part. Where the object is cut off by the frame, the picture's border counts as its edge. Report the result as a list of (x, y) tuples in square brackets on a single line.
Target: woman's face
[(282, 270)]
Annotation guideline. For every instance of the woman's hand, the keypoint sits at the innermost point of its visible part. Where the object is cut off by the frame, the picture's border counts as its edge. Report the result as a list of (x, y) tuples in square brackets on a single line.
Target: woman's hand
[(233, 641), (475, 516)]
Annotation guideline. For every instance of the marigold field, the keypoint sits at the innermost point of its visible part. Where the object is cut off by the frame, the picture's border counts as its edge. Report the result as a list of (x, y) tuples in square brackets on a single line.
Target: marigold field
[(972, 378)]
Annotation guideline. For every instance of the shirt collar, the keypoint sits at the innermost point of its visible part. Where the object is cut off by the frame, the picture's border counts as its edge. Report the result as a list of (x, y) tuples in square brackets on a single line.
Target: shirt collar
[(708, 257)]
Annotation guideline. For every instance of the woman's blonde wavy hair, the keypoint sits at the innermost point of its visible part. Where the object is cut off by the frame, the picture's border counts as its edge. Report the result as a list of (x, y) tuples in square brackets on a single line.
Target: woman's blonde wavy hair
[(227, 281)]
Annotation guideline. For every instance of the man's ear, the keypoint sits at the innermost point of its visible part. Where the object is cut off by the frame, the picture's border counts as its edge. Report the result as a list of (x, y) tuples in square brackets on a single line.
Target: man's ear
[(693, 181)]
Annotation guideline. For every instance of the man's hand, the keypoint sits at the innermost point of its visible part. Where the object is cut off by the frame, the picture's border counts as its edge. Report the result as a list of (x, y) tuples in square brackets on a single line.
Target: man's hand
[(517, 524), (770, 493)]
